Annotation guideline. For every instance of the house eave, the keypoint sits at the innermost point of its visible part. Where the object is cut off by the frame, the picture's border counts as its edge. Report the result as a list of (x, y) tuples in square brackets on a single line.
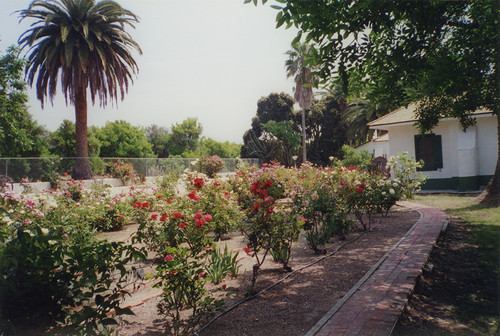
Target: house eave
[(412, 122)]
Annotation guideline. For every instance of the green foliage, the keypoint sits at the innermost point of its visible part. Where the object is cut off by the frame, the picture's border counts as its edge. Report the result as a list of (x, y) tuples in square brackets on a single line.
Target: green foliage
[(276, 130), (185, 136), (120, 139), (209, 165), (122, 170), (220, 264), (225, 149), (351, 158), (55, 269), (182, 278), (434, 54), (404, 170), (325, 129), (20, 135), (284, 132), (63, 141), (275, 107), (159, 138)]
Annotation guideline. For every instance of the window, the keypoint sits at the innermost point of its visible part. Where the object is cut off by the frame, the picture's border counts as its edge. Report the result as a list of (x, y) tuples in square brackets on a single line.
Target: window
[(428, 148)]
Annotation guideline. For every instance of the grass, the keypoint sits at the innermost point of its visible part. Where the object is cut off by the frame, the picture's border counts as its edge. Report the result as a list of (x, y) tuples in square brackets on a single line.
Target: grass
[(484, 238), (485, 220)]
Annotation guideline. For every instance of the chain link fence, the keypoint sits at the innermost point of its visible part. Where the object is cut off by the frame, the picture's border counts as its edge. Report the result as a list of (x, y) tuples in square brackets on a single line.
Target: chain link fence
[(43, 168)]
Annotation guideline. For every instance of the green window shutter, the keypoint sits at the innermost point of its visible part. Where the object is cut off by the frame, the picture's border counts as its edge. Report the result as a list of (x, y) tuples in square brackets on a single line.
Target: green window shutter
[(437, 151), (417, 149)]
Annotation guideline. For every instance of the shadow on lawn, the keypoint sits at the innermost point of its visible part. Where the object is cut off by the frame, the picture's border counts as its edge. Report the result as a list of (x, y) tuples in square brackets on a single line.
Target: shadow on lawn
[(457, 294)]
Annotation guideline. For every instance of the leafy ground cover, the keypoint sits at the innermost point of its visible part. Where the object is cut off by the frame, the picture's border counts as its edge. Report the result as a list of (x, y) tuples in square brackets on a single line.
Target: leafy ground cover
[(457, 293)]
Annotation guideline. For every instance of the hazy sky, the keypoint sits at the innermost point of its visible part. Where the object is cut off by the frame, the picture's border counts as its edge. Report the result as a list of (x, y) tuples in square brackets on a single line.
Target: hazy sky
[(209, 59)]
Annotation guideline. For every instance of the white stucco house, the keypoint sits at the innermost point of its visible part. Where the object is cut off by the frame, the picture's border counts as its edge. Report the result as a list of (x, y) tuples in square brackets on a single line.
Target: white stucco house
[(454, 159)]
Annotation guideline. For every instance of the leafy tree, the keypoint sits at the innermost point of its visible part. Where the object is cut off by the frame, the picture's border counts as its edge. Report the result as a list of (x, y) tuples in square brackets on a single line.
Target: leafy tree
[(281, 140), (159, 137), (276, 107), (20, 135), (326, 131), (87, 42), (185, 136), (443, 54), (120, 139), (225, 149), (62, 141)]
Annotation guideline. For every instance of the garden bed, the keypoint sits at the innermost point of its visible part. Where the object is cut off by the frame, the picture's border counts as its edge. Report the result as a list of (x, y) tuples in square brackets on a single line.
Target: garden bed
[(293, 306)]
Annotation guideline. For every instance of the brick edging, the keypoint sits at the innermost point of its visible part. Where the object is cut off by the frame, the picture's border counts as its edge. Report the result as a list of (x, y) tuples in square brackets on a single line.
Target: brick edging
[(375, 302)]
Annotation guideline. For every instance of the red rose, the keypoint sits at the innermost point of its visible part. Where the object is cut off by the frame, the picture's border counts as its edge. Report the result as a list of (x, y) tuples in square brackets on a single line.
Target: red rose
[(247, 250)]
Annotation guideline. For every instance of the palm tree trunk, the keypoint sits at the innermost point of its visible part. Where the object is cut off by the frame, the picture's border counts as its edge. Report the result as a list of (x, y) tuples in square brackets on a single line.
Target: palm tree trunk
[(81, 169), (304, 156), (491, 196)]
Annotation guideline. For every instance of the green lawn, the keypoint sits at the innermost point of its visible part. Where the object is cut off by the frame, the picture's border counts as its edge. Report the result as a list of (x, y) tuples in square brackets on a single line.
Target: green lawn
[(484, 242), (485, 220)]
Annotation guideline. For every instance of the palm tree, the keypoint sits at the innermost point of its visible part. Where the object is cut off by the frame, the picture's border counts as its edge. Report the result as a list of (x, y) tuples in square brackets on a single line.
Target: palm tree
[(357, 115), (295, 66), (87, 42)]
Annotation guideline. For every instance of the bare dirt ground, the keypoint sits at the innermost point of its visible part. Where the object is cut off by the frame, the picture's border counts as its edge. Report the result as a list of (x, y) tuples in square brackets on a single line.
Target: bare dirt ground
[(296, 304), (456, 295)]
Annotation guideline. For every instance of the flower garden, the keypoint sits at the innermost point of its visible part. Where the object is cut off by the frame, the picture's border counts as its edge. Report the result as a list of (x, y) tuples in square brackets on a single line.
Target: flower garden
[(58, 271)]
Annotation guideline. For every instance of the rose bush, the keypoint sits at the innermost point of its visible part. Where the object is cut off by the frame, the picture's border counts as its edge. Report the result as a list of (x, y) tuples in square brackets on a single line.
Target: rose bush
[(209, 165), (55, 269), (56, 232)]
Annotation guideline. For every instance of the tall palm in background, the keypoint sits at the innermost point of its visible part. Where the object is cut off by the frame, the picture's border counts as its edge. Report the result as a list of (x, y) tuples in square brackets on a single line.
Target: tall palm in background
[(295, 66), (87, 42), (358, 114)]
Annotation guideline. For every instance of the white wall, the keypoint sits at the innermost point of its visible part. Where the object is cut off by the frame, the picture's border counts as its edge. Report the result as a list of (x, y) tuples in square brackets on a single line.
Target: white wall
[(464, 154), (487, 144), (376, 148), (401, 139)]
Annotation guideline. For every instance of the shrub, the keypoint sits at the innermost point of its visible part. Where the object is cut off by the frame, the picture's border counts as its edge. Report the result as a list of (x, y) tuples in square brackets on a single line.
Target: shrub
[(320, 197), (268, 225), (185, 300), (404, 171), (122, 170), (209, 165), (62, 273), (351, 158)]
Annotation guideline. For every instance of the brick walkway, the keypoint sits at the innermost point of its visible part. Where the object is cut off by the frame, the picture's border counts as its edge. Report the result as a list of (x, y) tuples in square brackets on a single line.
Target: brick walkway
[(373, 305)]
